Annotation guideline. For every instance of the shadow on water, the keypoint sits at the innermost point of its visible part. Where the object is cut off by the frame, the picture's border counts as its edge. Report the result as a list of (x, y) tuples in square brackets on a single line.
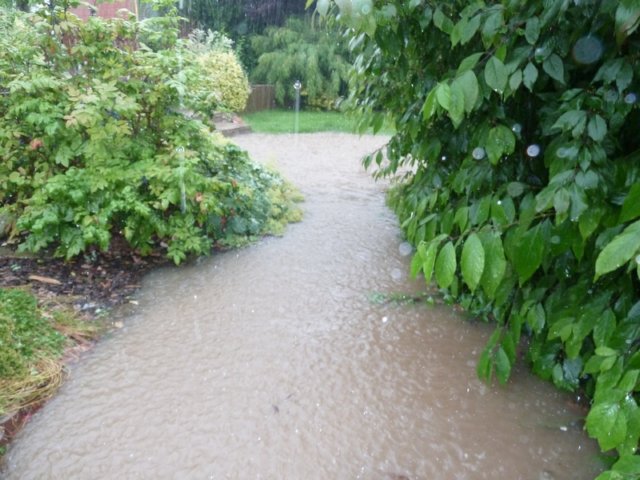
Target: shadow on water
[(276, 361)]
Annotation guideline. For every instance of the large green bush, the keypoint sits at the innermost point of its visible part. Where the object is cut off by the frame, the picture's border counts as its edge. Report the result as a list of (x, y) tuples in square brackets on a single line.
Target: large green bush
[(302, 51), (518, 121), (99, 136)]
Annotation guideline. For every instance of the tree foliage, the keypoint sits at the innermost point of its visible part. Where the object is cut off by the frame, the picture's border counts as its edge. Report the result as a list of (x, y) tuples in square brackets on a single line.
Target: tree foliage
[(100, 136), (518, 121), (301, 51)]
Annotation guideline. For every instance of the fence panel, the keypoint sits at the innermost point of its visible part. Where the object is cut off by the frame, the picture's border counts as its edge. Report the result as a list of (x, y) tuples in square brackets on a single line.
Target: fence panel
[(262, 97)]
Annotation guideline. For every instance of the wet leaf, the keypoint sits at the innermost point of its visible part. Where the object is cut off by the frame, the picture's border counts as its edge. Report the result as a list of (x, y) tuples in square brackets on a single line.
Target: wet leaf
[(495, 264), (446, 265), (467, 83), (554, 67), (528, 253), (631, 205), (501, 141), (529, 75), (619, 251), (607, 424), (496, 74), (503, 366), (532, 30), (472, 261), (597, 128)]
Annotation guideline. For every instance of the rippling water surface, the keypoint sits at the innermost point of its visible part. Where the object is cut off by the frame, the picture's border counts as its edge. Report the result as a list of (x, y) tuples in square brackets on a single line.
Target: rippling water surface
[(279, 361)]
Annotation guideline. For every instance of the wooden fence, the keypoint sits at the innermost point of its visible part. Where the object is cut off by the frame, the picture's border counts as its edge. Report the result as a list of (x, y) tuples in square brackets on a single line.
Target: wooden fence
[(262, 97)]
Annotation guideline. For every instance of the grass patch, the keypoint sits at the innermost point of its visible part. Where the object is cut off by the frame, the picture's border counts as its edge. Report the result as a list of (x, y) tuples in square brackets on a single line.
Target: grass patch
[(283, 121), (33, 339)]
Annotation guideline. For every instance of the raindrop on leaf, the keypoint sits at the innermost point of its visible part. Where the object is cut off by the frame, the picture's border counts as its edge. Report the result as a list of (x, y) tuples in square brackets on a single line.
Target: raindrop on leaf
[(478, 153), (533, 150), (587, 50)]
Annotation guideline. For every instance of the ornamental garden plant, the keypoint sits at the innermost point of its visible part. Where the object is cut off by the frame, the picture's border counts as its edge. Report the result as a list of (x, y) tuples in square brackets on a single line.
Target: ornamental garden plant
[(104, 132), (518, 121)]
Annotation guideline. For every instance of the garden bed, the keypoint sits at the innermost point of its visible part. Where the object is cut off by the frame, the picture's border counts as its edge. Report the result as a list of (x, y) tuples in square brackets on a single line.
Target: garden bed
[(87, 287)]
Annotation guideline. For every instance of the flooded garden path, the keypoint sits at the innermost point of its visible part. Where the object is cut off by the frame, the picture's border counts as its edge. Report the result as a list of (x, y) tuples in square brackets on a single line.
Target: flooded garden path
[(295, 358)]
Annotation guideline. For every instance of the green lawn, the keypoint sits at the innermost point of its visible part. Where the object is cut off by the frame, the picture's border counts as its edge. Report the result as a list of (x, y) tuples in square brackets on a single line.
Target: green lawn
[(283, 121)]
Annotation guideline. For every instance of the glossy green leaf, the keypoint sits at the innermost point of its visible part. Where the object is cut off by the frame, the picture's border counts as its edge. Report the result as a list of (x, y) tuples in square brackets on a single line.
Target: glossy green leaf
[(443, 95), (529, 76), (469, 62), (631, 205), (503, 365), (416, 264), (532, 30), (446, 265), (554, 67), (597, 128), (619, 251), (628, 465), (496, 74), (536, 318), (492, 26), (607, 424), (495, 264), (501, 141), (457, 104), (441, 21), (430, 104), (429, 260), (472, 261), (528, 253), (467, 83), (515, 80), (470, 30), (604, 329)]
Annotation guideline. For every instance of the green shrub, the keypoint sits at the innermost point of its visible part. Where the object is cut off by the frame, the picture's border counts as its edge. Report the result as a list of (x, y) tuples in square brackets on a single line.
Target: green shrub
[(99, 136), (227, 78), (224, 75), (519, 122), (301, 51)]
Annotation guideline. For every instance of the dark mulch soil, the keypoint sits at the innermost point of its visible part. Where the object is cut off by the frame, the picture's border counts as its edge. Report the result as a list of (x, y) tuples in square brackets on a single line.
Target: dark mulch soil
[(97, 280)]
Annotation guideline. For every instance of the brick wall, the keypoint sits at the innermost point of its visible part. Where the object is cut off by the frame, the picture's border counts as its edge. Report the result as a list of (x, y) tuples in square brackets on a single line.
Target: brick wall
[(106, 10)]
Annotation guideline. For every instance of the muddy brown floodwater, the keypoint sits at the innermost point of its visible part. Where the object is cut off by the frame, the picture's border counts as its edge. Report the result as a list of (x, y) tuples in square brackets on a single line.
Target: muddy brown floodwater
[(277, 362)]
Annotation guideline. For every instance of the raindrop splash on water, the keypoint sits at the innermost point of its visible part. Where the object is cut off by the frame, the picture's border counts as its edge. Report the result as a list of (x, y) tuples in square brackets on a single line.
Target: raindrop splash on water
[(478, 153), (405, 249), (587, 50), (533, 150)]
